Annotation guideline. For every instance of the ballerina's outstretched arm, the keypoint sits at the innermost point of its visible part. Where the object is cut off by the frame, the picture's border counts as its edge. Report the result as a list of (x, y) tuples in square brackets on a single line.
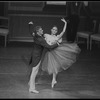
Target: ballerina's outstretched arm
[(64, 29)]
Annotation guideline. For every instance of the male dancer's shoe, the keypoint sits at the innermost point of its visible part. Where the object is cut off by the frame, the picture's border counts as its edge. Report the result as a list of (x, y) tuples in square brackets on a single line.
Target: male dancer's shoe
[(33, 91)]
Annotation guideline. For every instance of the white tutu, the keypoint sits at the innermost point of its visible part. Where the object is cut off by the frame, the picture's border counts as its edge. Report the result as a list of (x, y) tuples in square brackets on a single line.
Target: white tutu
[(60, 58)]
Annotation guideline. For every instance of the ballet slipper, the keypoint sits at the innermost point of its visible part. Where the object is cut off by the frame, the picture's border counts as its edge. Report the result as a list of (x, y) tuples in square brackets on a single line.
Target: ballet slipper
[(33, 91), (53, 83)]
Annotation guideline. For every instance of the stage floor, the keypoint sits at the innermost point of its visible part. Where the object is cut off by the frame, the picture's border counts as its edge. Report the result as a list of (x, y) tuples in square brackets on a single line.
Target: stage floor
[(81, 80)]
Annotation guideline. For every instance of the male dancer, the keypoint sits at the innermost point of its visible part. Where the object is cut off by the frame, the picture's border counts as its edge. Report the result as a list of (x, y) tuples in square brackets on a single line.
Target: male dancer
[(37, 54)]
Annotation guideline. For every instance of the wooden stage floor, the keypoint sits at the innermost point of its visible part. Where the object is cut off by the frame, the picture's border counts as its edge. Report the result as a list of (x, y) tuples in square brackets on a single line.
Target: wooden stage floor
[(81, 80)]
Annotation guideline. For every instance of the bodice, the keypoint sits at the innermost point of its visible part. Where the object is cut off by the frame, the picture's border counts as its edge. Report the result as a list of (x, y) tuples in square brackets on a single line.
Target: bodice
[(50, 39)]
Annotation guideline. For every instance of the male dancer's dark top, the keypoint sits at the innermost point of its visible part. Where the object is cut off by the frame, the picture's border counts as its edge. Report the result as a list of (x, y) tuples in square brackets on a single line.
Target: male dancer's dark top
[(40, 47)]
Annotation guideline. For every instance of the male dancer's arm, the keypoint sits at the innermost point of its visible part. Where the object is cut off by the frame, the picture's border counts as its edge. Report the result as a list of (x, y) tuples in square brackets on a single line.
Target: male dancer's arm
[(46, 45), (31, 28)]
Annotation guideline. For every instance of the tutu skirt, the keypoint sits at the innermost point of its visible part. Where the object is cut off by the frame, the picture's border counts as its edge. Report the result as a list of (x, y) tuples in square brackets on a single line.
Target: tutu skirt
[(60, 58)]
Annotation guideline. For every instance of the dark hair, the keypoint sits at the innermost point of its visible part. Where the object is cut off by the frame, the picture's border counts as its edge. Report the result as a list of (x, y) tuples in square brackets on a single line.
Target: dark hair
[(37, 28), (55, 26)]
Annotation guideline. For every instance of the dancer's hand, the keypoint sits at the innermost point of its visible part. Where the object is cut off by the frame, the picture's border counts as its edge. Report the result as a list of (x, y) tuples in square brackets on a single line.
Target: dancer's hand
[(54, 42), (63, 20), (30, 22), (33, 34)]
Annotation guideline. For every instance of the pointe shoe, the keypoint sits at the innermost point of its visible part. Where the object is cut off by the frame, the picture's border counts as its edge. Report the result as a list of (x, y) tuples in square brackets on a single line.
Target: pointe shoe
[(33, 91), (53, 83)]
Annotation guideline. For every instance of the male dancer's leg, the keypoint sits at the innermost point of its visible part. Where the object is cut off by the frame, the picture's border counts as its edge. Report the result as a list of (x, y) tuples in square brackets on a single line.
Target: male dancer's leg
[(32, 78)]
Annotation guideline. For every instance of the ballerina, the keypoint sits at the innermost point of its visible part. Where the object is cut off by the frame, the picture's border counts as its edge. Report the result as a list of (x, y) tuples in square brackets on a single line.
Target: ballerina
[(60, 58)]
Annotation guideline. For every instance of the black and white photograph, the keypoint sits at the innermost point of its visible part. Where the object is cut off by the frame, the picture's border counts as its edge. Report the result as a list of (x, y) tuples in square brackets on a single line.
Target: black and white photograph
[(49, 49)]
